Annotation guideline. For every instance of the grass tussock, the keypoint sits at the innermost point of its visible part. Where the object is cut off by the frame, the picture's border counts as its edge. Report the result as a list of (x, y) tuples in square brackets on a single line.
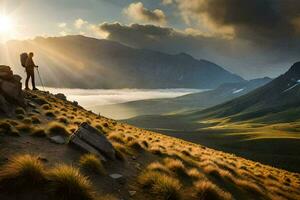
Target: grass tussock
[(8, 129), (26, 128), (57, 129), (120, 151), (92, 163), (66, 182), (134, 144), (175, 165), (35, 120), (38, 132), (117, 137), (50, 114), (20, 111), (158, 167), (160, 184), (22, 171), (206, 190)]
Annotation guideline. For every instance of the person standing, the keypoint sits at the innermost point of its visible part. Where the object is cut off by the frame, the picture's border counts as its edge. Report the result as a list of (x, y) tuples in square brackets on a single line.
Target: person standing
[(29, 68)]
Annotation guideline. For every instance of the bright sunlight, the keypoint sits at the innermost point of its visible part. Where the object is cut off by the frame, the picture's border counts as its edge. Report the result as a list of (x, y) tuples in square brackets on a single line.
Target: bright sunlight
[(6, 25)]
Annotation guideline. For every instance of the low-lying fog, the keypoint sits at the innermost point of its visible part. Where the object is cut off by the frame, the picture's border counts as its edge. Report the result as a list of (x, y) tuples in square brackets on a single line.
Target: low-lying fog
[(89, 98)]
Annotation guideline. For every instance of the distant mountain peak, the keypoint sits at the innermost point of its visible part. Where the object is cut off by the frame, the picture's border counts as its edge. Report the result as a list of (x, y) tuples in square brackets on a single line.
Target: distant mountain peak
[(295, 69)]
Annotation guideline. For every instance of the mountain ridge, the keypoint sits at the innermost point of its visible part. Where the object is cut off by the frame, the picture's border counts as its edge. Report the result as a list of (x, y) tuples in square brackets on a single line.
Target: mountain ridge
[(109, 64)]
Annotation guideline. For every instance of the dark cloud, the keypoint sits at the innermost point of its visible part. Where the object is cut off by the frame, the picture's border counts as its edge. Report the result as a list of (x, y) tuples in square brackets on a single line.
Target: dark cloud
[(271, 21)]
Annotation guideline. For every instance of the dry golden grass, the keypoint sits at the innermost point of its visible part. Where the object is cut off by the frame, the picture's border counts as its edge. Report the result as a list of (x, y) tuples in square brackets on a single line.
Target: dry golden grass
[(175, 165), (158, 167), (55, 128), (38, 132), (206, 190), (92, 163), (20, 110), (66, 182), (22, 171), (120, 151), (160, 184), (7, 128)]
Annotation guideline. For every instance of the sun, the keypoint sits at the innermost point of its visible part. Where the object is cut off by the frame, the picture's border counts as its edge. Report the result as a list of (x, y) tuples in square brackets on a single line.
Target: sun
[(6, 24)]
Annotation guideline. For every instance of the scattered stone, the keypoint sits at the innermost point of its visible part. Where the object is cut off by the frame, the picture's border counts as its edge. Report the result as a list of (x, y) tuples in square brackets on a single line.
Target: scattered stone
[(61, 96), (119, 178), (116, 176), (133, 158), (75, 103), (132, 193), (92, 137), (58, 139)]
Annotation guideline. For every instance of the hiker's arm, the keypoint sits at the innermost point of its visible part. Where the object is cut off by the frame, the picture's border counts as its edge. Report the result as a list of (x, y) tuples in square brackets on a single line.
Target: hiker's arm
[(33, 64)]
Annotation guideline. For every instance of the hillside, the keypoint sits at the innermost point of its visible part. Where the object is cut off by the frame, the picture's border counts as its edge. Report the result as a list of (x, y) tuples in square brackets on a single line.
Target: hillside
[(82, 62), (262, 125), (186, 103), (148, 165)]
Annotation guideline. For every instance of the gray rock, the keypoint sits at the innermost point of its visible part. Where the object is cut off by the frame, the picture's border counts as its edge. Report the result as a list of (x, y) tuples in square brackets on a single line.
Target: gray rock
[(58, 139), (116, 176), (5, 107), (95, 139), (17, 78), (61, 96), (119, 178), (132, 193), (86, 147), (12, 91)]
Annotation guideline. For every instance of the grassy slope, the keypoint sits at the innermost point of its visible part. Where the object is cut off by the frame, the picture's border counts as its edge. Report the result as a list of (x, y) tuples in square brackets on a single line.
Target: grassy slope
[(164, 167), (261, 125)]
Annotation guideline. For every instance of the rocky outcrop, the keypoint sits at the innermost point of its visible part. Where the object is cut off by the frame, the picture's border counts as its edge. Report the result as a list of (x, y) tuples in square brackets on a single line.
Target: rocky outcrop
[(11, 94), (93, 141)]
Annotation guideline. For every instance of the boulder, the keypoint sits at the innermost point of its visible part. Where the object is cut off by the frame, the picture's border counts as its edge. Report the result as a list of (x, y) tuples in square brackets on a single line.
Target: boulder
[(61, 96), (11, 94), (5, 107), (12, 91), (5, 72), (92, 138), (17, 78)]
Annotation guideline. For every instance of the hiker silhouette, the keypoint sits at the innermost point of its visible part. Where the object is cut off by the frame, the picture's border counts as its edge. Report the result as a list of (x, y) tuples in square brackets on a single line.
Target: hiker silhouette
[(27, 62)]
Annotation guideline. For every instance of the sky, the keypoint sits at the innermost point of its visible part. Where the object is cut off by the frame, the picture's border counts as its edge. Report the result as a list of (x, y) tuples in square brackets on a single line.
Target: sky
[(251, 38)]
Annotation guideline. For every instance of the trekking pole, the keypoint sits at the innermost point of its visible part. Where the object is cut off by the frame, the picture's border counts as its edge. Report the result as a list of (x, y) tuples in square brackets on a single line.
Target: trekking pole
[(37, 69)]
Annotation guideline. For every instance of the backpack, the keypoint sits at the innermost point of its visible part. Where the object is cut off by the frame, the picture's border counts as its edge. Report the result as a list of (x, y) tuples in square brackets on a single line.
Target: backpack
[(23, 59)]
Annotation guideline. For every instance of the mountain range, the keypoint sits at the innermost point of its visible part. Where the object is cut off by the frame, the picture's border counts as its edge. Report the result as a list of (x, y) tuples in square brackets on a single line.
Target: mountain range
[(185, 103), (82, 62)]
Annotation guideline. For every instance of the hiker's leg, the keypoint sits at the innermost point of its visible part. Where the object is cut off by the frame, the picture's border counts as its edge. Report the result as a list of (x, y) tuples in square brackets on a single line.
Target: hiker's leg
[(33, 79), (27, 79)]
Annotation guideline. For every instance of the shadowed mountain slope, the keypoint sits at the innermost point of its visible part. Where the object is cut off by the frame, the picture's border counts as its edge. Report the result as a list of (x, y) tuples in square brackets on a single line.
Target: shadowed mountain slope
[(82, 62)]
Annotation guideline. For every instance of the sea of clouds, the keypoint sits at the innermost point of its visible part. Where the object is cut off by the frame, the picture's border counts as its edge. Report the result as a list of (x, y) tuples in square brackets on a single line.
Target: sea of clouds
[(96, 97)]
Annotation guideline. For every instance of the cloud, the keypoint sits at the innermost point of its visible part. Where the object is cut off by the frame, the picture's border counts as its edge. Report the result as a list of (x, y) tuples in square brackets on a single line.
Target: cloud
[(62, 25), (270, 22), (79, 23), (239, 55), (138, 13), (167, 2), (164, 39)]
